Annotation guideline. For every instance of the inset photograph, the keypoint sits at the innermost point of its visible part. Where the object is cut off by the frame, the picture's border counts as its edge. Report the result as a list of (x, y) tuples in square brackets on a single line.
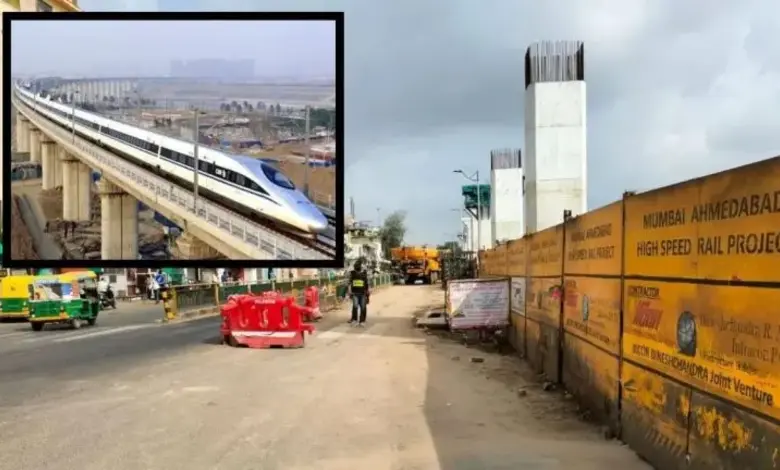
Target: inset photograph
[(171, 139)]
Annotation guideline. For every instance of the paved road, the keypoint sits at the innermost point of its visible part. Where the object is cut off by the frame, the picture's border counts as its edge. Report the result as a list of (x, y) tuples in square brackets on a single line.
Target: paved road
[(141, 395)]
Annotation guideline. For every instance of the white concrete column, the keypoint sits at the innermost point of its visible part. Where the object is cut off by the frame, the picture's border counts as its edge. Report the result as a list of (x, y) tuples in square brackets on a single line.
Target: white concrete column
[(118, 223), (110, 221), (57, 166), (129, 221), (84, 211), (35, 145), (70, 186), (48, 150), (22, 134)]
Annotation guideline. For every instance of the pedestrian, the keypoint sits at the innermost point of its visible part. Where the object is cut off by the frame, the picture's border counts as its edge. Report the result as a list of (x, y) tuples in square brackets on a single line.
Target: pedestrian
[(65, 228), (155, 289), (359, 292)]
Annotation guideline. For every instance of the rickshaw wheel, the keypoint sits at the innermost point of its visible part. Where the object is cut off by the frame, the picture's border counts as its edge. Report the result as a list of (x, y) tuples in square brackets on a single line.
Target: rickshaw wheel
[(76, 323), (92, 321), (36, 326), (231, 341)]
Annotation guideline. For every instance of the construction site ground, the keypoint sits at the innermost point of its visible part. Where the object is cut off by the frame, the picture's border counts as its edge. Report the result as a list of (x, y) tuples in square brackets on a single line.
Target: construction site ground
[(85, 244), (388, 396)]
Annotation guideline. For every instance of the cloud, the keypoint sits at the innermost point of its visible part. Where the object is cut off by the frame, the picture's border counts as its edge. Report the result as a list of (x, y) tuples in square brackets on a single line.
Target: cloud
[(675, 90)]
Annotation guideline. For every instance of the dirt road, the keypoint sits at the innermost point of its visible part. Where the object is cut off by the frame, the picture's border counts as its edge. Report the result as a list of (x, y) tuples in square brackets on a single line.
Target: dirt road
[(384, 397)]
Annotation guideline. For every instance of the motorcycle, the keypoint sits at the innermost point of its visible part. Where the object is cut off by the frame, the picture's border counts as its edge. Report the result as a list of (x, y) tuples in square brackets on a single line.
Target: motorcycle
[(107, 299)]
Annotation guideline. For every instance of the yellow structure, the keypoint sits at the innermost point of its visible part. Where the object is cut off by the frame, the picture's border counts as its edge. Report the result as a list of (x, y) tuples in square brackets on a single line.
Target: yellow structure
[(660, 313), (417, 262)]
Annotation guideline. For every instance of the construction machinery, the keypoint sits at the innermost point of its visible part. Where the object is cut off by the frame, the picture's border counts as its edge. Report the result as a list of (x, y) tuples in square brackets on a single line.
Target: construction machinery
[(417, 263)]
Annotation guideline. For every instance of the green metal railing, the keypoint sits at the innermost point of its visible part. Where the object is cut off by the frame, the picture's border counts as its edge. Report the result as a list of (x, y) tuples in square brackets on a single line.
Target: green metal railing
[(193, 297)]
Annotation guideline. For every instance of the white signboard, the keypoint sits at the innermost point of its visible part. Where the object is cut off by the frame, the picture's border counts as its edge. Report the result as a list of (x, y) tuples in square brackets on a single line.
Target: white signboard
[(518, 295), (475, 304)]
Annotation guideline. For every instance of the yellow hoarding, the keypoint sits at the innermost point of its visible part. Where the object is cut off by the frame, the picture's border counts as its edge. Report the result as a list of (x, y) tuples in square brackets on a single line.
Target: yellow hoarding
[(591, 310), (591, 369), (515, 257), (544, 252), (723, 226), (724, 340), (543, 300), (594, 241), (499, 261)]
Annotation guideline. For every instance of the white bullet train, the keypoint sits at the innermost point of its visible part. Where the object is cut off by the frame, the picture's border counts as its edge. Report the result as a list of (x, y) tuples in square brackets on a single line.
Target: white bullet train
[(246, 185)]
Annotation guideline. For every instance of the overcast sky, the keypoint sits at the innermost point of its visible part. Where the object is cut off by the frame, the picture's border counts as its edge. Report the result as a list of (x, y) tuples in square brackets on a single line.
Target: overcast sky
[(675, 90), (145, 48)]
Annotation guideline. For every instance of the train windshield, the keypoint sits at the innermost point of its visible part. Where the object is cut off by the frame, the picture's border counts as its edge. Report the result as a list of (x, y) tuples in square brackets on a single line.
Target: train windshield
[(277, 177)]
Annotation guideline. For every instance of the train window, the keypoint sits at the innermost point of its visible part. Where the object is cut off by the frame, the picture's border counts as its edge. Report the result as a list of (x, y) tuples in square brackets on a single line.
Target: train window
[(166, 153), (190, 162), (204, 166), (277, 177), (256, 187), (240, 179), (154, 148)]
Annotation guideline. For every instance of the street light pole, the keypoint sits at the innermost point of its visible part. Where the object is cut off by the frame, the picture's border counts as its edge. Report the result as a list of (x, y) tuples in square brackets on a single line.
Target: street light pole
[(197, 164), (308, 152), (475, 179), (73, 113)]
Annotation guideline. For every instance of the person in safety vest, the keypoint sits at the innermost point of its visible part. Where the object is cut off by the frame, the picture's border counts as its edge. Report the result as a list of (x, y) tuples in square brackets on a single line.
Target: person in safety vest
[(359, 292)]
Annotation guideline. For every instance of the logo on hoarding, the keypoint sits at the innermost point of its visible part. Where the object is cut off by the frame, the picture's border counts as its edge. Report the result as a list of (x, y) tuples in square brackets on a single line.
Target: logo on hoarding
[(585, 307), (686, 334), (646, 316)]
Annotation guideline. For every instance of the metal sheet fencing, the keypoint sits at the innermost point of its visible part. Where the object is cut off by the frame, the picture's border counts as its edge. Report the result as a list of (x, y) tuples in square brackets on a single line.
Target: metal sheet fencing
[(661, 314)]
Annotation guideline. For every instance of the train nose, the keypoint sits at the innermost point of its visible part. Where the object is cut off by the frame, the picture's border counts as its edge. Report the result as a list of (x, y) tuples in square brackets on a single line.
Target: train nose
[(314, 218)]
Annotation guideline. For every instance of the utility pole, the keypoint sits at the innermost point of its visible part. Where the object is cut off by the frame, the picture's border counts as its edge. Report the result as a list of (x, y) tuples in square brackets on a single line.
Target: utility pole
[(73, 114), (196, 135), (479, 214), (308, 151)]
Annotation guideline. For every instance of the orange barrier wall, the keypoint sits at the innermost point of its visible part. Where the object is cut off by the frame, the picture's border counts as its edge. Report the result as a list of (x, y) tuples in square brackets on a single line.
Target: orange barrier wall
[(661, 314), (591, 312)]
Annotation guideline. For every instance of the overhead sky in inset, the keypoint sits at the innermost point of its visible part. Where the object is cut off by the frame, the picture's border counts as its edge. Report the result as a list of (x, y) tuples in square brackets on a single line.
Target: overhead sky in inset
[(146, 48), (675, 90)]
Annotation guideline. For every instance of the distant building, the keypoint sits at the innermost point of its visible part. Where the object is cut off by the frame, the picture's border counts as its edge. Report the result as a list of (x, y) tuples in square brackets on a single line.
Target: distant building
[(230, 70)]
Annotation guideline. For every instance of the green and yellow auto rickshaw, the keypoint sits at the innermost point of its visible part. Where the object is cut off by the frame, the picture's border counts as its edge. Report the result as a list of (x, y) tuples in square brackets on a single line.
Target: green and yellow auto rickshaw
[(15, 296), (68, 298)]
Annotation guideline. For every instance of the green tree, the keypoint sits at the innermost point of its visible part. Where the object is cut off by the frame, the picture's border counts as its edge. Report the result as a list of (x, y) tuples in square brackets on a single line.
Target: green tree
[(320, 117), (392, 232), (453, 246)]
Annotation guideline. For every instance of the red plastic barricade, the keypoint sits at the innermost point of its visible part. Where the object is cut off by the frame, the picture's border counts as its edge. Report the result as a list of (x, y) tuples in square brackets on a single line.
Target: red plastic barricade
[(311, 304), (263, 321)]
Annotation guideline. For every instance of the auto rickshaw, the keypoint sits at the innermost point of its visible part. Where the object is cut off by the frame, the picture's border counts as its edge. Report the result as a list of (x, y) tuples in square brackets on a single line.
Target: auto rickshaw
[(15, 296), (68, 298)]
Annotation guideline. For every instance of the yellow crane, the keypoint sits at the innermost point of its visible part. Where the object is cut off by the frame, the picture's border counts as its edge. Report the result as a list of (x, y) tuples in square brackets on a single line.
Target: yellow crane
[(417, 262)]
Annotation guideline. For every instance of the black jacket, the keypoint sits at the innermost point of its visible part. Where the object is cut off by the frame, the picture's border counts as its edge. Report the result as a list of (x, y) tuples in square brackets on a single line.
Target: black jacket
[(358, 282)]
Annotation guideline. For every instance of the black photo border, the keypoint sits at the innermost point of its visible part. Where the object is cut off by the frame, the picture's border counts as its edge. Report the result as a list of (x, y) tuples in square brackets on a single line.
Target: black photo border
[(11, 17)]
